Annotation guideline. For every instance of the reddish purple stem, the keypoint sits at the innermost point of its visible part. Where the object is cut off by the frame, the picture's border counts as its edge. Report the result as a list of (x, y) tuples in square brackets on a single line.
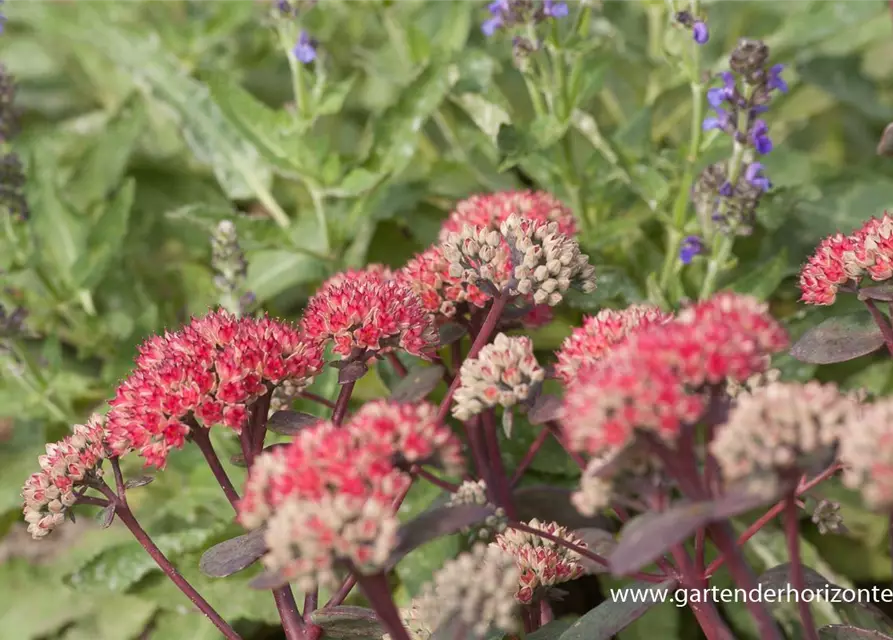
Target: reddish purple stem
[(494, 456), (792, 534), (202, 438), (378, 593), (530, 455), (125, 515), (883, 324)]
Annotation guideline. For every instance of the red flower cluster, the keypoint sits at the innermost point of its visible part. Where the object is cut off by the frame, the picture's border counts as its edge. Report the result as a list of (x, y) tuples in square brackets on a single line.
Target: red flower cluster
[(49, 493), (840, 259), (542, 562), (656, 380), (369, 310), (346, 479), (356, 459), (599, 333), (490, 210), (209, 371), (428, 275)]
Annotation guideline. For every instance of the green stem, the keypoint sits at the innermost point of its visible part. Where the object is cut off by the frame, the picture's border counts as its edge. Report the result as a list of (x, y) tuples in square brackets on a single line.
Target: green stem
[(680, 207)]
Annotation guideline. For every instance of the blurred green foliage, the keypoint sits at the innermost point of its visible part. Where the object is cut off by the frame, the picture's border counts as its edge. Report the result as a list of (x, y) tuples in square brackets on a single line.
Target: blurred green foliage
[(147, 123)]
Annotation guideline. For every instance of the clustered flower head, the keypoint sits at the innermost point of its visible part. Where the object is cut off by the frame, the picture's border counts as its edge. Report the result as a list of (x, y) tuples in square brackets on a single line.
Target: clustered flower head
[(475, 492), (67, 465), (841, 260), (526, 257), (490, 210), (208, 372), (779, 432), (473, 593), (602, 332), (369, 310), (866, 451), (428, 275), (657, 380), (546, 262), (503, 373), (827, 518), (327, 496), (506, 14), (542, 562), (617, 473)]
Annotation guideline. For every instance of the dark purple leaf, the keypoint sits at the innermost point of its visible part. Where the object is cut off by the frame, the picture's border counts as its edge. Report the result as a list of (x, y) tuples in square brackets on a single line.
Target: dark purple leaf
[(290, 423), (885, 145), (838, 340), (352, 371), (779, 578), (231, 556), (553, 504), (551, 630), (848, 632), (611, 617), (348, 623), (268, 580), (142, 481), (417, 384), (546, 408), (646, 537), (435, 523), (882, 292), (449, 332), (106, 517)]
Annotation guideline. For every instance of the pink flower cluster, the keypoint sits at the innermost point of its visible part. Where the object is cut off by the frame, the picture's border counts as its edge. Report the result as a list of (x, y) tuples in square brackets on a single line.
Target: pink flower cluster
[(657, 379), (542, 562), (601, 332), (67, 464), (841, 259), (330, 491), (209, 372), (427, 273), (490, 210), (369, 310)]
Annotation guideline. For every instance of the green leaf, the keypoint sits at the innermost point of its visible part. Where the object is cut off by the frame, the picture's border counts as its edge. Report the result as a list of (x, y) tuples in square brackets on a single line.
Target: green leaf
[(551, 630), (232, 597), (348, 623), (114, 616), (273, 272), (213, 140), (58, 232), (103, 167), (397, 132), (763, 279), (273, 133), (121, 566), (106, 239), (184, 624), (18, 460)]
